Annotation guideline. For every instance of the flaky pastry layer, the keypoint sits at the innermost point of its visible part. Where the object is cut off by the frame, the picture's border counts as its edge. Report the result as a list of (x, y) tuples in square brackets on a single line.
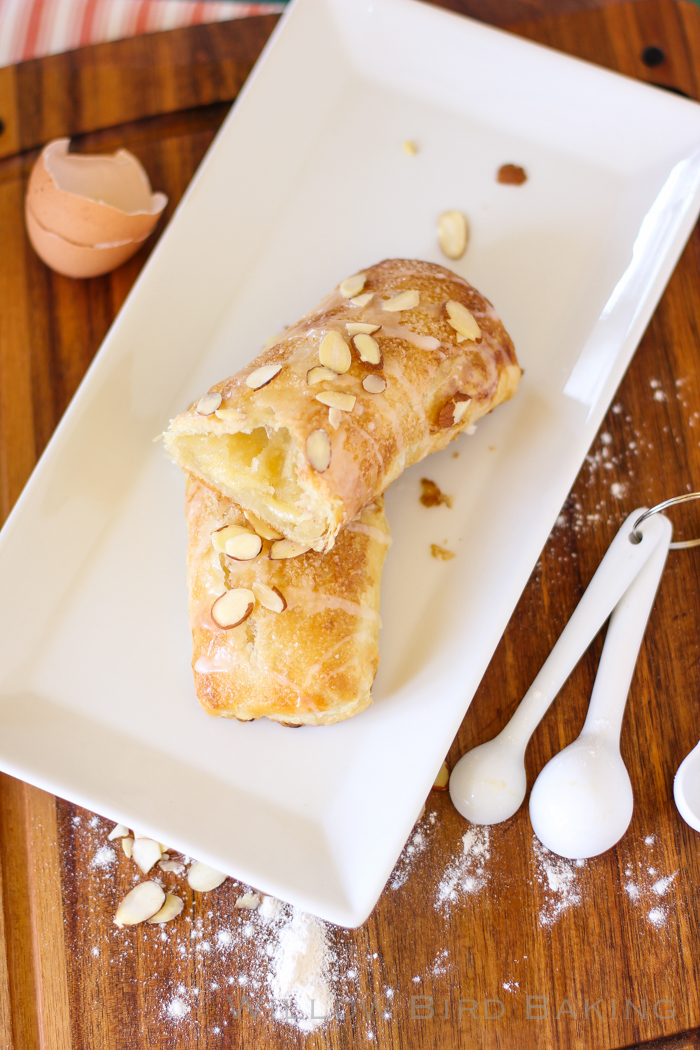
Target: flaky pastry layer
[(254, 448), (313, 663)]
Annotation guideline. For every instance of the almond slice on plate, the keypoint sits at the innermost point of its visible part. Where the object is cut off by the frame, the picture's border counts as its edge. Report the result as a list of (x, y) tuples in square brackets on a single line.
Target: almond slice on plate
[(202, 877), (334, 353), (319, 374), (462, 320), (336, 399), (361, 328), (269, 597), (207, 405), (244, 547), (233, 607), (171, 908), (262, 376), (453, 233), (368, 349), (403, 301), (140, 904), (318, 450), (374, 384), (281, 549), (261, 527), (353, 285), (146, 852)]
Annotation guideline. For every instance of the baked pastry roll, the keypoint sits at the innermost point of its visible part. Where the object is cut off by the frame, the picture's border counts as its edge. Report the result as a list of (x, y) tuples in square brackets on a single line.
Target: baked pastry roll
[(389, 367), (305, 647)]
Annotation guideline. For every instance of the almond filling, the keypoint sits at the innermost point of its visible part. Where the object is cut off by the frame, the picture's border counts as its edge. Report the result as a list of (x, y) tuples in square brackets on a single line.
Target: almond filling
[(257, 470)]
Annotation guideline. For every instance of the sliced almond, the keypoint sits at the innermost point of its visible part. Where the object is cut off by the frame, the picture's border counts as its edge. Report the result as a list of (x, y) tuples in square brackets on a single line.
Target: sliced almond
[(203, 878), (353, 285), (146, 853), (244, 547), (172, 907), (119, 831), (452, 411), (261, 527), (460, 410), (362, 300), (269, 597), (335, 418), (262, 376), (230, 415), (334, 353), (374, 384), (442, 779), (402, 301), (318, 450), (286, 549), (462, 320), (207, 405), (175, 866), (249, 902), (453, 234), (368, 349), (319, 374), (233, 607), (221, 536), (140, 904), (127, 846), (336, 399), (361, 328)]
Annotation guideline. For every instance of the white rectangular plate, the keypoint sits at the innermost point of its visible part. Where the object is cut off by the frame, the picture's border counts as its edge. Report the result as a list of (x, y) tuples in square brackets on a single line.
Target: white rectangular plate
[(306, 183)]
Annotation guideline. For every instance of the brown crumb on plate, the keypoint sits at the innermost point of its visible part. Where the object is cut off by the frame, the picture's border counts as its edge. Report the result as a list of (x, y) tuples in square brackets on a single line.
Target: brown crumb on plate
[(511, 175), (432, 496), (441, 552)]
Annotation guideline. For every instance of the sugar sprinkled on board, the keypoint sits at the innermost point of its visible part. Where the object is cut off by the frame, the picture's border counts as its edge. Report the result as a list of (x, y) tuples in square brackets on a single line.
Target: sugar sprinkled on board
[(417, 842), (559, 880), (467, 872)]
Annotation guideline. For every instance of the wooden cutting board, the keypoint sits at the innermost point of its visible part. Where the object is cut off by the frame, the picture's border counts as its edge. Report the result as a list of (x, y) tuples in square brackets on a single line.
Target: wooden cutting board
[(621, 929)]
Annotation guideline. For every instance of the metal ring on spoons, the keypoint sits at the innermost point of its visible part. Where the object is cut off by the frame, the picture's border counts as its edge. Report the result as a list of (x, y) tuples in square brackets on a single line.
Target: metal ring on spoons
[(489, 783), (581, 803)]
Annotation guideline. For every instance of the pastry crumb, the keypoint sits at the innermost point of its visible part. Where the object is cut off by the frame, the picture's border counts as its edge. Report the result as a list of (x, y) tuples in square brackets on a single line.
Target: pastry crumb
[(432, 496), (441, 552), (455, 455), (410, 148), (511, 175)]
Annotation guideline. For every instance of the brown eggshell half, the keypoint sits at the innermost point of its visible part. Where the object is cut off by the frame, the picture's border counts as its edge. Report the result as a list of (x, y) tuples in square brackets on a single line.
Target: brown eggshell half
[(93, 200), (76, 260)]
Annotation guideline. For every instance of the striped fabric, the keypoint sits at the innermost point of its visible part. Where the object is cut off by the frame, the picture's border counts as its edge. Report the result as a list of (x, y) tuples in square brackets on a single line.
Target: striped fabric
[(34, 28)]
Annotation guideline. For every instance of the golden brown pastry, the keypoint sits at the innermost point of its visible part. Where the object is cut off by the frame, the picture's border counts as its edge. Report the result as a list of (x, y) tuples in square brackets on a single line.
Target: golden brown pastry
[(390, 366), (305, 651)]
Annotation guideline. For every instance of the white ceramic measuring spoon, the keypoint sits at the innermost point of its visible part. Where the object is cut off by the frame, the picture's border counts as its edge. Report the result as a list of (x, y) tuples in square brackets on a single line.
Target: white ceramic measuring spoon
[(686, 788), (581, 803), (488, 784)]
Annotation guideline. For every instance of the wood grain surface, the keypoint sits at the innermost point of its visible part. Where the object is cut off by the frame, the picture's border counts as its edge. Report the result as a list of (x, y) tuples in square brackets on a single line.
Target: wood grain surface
[(575, 935)]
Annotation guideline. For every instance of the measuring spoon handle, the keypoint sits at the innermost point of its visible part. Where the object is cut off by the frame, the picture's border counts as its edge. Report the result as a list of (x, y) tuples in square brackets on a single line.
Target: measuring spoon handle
[(621, 563), (622, 642)]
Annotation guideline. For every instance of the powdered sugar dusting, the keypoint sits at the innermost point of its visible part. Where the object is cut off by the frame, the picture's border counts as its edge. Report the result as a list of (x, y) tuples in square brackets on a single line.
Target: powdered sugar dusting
[(467, 873), (559, 880)]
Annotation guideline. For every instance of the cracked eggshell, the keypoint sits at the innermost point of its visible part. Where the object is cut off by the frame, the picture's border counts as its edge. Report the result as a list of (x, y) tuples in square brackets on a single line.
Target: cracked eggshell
[(76, 260), (93, 200)]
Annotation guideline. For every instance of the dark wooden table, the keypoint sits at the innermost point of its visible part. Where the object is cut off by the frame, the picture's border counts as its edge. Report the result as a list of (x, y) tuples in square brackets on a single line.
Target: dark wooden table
[(68, 978)]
